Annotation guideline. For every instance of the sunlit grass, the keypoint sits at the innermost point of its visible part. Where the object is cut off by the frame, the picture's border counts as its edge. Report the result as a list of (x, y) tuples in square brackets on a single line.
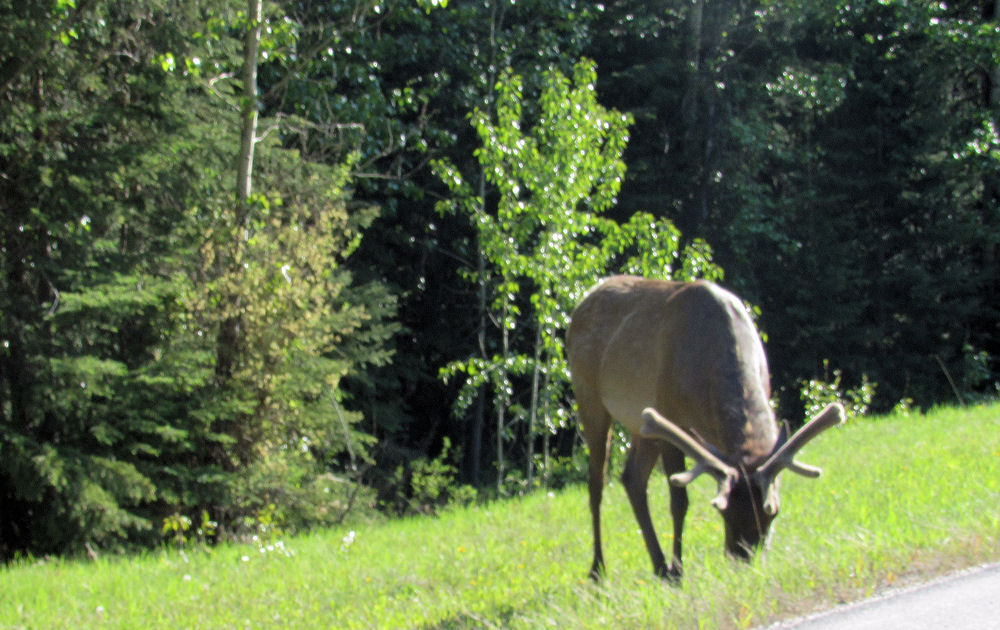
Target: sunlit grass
[(900, 498)]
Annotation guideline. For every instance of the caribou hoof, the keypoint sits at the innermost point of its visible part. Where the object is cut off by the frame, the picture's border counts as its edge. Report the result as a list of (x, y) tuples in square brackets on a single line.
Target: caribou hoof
[(597, 573), (672, 574)]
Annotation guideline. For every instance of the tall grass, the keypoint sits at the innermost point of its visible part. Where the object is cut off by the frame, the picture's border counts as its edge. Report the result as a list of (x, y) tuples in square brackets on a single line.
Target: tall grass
[(901, 498)]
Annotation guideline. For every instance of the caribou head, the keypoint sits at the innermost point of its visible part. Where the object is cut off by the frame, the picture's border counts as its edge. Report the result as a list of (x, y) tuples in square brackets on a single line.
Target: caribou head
[(747, 498)]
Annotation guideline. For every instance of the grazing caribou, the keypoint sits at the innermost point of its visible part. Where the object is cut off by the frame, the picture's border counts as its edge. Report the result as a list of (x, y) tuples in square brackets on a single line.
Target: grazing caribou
[(681, 366)]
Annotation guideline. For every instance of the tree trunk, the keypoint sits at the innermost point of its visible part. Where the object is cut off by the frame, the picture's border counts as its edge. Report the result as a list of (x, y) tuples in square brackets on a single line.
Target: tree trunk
[(248, 112), (533, 416), (503, 400), (692, 111), (995, 85), (474, 439), (228, 339)]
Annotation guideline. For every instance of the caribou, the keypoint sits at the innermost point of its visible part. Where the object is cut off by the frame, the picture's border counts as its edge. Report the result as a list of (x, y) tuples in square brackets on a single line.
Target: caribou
[(680, 365)]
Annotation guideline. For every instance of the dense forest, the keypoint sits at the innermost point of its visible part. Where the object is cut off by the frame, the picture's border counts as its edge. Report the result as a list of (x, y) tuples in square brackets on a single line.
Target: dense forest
[(272, 262)]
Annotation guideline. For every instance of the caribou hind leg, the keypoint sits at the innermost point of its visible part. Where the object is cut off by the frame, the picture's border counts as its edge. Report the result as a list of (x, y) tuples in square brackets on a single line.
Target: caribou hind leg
[(597, 434)]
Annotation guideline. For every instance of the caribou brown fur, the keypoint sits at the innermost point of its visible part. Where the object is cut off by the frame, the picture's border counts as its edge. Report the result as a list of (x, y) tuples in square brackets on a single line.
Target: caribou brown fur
[(682, 368)]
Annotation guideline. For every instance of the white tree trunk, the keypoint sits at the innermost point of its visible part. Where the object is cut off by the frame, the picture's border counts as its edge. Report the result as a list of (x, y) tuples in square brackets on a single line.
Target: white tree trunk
[(248, 108)]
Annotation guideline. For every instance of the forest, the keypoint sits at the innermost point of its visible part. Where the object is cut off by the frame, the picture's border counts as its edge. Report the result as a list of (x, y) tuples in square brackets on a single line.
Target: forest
[(276, 263)]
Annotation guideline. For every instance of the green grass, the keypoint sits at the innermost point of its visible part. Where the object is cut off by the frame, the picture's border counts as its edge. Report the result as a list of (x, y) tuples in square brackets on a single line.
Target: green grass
[(901, 499)]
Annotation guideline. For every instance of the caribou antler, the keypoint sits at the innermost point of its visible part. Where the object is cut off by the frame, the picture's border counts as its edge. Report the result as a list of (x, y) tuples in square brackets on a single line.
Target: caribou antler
[(784, 455), (657, 427)]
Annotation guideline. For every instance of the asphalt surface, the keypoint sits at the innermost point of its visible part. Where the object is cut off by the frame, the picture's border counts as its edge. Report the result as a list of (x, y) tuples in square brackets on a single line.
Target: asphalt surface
[(968, 599)]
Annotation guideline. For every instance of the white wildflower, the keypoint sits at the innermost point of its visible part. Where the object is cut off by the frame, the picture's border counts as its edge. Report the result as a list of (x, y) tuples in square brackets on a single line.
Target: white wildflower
[(349, 539)]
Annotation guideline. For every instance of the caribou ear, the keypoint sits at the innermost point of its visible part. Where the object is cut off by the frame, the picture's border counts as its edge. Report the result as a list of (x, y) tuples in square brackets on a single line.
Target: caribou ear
[(782, 434)]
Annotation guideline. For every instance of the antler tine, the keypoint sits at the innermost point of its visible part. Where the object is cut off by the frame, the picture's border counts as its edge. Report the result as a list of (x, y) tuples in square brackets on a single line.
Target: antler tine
[(657, 427), (783, 458)]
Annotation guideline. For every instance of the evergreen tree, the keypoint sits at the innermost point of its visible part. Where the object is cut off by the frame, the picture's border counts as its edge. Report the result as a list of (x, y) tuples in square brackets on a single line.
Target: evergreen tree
[(824, 151), (876, 244), (127, 252), (88, 242)]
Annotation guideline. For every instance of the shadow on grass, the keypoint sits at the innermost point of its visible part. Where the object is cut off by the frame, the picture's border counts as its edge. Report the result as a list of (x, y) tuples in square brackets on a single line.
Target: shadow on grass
[(500, 618)]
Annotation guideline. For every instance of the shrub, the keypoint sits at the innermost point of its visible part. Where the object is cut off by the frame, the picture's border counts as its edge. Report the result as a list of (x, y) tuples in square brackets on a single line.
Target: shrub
[(817, 394), (427, 485)]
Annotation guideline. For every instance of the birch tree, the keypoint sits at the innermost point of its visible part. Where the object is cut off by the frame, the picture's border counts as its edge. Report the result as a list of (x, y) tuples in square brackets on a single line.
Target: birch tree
[(556, 174)]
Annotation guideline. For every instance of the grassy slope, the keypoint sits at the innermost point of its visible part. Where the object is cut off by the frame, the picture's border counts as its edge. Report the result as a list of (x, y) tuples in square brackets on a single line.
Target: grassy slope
[(901, 498)]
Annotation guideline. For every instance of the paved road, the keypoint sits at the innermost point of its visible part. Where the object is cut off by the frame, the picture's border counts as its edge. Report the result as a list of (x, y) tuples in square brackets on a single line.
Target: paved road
[(965, 600)]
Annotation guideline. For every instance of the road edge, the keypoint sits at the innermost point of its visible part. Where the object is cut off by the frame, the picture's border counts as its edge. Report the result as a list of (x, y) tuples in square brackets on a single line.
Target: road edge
[(889, 593)]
